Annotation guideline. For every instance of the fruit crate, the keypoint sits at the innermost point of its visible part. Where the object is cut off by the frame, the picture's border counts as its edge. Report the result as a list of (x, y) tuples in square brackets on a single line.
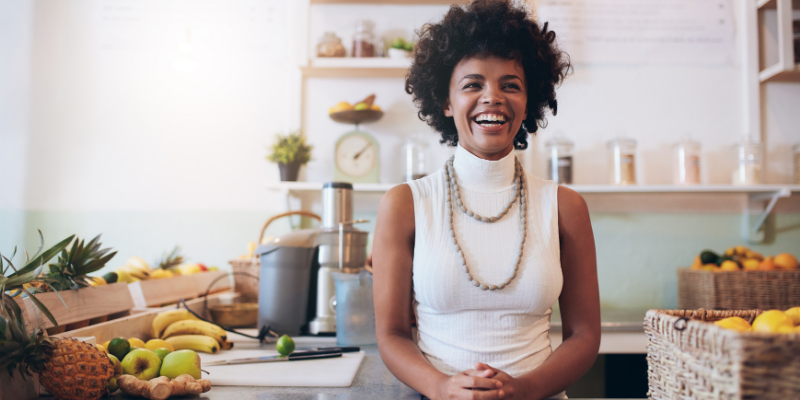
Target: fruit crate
[(738, 290), (212, 282), (86, 306), (688, 357), (157, 292)]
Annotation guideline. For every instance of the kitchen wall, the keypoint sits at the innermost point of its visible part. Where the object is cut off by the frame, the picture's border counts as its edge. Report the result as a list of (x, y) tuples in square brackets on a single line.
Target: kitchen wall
[(108, 136)]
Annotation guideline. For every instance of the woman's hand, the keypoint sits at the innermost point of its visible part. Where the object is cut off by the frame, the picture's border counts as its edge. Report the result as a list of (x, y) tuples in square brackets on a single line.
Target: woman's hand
[(512, 387), (471, 385)]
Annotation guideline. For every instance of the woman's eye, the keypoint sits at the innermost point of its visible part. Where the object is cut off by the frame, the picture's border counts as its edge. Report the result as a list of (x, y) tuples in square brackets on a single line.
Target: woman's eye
[(512, 86), (471, 85)]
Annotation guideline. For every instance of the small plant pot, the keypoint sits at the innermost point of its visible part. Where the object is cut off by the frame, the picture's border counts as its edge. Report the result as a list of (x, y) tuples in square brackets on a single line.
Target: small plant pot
[(289, 171), (399, 54)]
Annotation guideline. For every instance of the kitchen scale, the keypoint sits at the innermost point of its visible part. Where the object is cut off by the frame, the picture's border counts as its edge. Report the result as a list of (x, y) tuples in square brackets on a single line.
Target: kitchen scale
[(356, 154)]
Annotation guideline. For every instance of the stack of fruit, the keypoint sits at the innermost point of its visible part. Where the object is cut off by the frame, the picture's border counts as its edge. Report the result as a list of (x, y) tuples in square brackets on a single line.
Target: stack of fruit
[(183, 330), (147, 361), (366, 104), (136, 269), (772, 321), (740, 258)]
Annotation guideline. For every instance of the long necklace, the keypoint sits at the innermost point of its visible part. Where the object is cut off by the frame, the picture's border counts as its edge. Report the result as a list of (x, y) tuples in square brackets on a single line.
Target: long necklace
[(453, 200)]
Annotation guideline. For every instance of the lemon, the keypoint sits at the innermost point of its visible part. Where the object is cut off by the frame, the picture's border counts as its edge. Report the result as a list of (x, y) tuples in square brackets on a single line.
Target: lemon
[(734, 323), (154, 344), (341, 106), (794, 314), (285, 345), (751, 264), (729, 265), (134, 342), (786, 329), (101, 348), (771, 321)]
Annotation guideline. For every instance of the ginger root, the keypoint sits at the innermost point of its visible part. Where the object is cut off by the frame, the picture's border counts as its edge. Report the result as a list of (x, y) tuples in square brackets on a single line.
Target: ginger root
[(162, 388)]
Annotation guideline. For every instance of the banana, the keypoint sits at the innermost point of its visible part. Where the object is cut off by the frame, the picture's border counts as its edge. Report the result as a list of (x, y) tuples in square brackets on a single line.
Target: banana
[(165, 319), (202, 343), (226, 345), (195, 327)]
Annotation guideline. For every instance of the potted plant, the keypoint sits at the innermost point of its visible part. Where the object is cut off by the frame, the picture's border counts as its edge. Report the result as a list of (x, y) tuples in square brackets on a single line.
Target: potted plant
[(400, 48), (290, 152)]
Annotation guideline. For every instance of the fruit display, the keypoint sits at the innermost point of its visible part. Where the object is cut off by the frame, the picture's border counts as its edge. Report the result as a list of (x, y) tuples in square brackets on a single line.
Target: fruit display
[(170, 265), (772, 321), (75, 370), (163, 387), (740, 258), (367, 104)]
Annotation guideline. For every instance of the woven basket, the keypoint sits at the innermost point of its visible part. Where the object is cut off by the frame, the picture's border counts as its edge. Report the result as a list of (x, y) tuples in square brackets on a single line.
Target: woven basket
[(738, 290), (690, 358), (247, 286)]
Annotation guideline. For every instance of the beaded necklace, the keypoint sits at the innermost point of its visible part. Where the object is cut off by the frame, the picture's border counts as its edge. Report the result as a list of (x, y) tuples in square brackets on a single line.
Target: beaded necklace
[(453, 199)]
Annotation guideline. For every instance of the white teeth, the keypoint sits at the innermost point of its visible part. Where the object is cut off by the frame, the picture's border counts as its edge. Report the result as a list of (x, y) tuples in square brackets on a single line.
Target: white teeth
[(490, 117)]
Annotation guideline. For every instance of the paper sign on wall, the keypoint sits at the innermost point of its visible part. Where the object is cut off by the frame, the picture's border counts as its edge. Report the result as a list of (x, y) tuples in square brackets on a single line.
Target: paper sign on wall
[(683, 32)]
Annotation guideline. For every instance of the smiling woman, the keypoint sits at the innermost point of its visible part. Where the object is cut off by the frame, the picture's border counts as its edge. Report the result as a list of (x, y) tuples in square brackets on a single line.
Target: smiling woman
[(490, 247)]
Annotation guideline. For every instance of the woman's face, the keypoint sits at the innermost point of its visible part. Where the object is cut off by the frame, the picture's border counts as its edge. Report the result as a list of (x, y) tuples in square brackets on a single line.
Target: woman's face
[(488, 102)]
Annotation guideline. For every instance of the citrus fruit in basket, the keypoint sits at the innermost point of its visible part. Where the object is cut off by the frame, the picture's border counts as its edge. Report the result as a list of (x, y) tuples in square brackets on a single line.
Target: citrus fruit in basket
[(772, 321), (785, 261), (154, 344), (285, 345), (734, 323), (729, 265), (768, 264), (135, 342), (794, 314), (119, 347)]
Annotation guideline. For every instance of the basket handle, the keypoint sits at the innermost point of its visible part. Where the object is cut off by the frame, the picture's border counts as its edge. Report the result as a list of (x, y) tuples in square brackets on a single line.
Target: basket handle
[(286, 214), (681, 327)]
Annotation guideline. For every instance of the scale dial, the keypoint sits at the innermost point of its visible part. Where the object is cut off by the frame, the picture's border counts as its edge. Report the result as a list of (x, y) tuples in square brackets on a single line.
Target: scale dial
[(356, 156)]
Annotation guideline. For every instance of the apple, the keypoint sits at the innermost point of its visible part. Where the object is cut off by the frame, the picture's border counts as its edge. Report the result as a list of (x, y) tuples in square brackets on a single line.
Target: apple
[(141, 363), (361, 106), (112, 385), (181, 362), (189, 269), (162, 352), (117, 365), (202, 267)]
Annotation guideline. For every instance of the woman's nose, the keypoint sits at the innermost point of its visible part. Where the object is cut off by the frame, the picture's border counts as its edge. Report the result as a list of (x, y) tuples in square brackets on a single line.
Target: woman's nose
[(491, 96)]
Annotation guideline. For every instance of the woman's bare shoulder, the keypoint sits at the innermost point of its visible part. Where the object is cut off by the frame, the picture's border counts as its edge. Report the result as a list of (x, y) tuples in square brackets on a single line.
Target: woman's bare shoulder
[(572, 209), (396, 209)]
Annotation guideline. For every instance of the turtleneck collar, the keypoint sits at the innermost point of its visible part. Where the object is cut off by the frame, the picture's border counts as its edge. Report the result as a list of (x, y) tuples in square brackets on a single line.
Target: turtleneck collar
[(483, 176)]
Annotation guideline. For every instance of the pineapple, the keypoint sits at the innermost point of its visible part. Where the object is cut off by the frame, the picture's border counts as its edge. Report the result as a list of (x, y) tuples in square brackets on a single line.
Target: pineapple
[(71, 269), (75, 370), (167, 266)]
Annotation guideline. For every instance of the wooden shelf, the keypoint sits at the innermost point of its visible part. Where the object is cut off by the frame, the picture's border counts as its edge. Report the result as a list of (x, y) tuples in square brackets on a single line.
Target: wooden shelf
[(777, 73), (773, 4), (751, 189), (349, 67)]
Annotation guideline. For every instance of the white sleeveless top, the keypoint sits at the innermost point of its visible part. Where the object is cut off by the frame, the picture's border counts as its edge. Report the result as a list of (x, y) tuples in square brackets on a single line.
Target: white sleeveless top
[(459, 324)]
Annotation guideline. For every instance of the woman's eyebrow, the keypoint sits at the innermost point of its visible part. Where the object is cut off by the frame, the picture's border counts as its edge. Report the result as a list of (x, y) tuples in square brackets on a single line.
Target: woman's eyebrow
[(473, 76), (507, 77)]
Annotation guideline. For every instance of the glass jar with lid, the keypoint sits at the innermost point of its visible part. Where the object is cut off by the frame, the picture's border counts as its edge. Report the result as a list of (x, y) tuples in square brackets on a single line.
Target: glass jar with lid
[(622, 161), (330, 46), (686, 162), (796, 158), (748, 157), (415, 158), (364, 39), (559, 159)]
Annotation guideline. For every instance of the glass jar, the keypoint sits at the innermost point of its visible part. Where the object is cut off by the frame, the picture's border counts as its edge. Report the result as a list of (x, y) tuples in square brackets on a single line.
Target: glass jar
[(796, 29), (748, 157), (686, 163), (559, 160), (796, 157), (330, 46), (622, 161), (415, 154), (364, 40)]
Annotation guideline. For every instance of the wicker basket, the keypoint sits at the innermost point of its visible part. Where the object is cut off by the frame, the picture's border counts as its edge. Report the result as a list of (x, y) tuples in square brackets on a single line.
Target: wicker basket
[(247, 286), (738, 290), (690, 358)]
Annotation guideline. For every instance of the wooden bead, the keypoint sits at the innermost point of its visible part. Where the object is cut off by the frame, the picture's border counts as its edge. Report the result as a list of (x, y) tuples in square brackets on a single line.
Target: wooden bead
[(475, 282), (470, 213), (501, 286), (492, 287), (484, 286), (484, 219)]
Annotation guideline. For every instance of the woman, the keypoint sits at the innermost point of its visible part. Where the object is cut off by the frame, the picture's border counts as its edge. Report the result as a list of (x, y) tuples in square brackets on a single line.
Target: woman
[(490, 248)]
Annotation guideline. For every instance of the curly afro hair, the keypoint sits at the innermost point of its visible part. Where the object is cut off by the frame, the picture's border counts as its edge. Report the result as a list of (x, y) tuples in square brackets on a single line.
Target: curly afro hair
[(482, 29)]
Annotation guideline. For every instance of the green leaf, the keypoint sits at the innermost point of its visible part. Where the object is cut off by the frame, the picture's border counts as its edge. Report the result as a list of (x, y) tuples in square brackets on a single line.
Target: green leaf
[(43, 308), (20, 279), (39, 249), (46, 256)]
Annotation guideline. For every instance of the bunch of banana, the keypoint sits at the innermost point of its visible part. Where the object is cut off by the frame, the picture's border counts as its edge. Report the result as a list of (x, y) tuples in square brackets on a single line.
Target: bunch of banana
[(183, 330), (743, 253), (134, 270)]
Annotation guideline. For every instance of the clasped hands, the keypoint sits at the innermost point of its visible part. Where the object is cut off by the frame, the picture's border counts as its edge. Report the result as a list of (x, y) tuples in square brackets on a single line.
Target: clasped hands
[(483, 382)]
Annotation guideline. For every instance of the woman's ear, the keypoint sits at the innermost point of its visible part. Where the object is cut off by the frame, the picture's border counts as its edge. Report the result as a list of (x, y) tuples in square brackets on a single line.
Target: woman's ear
[(448, 111)]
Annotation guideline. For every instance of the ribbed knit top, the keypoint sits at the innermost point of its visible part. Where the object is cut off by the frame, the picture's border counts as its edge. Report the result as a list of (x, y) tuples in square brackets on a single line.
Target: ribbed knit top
[(460, 324)]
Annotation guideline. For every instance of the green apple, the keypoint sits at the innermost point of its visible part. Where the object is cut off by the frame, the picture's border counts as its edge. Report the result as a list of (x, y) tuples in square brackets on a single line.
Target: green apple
[(141, 363), (117, 365), (162, 352), (361, 106), (112, 385), (181, 362)]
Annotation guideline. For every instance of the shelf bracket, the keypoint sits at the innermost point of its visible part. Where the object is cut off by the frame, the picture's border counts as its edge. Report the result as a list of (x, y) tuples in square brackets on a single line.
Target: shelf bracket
[(755, 232)]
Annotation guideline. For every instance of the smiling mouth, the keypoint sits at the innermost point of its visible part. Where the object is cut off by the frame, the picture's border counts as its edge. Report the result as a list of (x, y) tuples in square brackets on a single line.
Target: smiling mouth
[(490, 120)]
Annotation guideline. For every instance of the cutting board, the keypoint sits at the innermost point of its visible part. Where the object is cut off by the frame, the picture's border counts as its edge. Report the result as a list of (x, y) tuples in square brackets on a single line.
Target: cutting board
[(329, 372)]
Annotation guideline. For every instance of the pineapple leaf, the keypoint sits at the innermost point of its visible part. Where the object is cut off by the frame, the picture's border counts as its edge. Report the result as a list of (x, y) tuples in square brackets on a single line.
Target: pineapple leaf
[(19, 280), (46, 256), (97, 264), (39, 249), (43, 308)]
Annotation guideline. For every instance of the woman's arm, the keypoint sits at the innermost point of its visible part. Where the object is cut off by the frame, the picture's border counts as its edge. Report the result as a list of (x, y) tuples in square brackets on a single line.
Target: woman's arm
[(580, 309), (392, 254)]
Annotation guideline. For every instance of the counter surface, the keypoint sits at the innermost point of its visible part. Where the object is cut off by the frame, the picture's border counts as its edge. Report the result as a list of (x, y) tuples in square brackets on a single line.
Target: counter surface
[(618, 320)]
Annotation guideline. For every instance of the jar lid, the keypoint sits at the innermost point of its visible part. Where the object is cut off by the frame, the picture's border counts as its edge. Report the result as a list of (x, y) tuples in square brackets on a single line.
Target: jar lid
[(558, 140), (621, 142)]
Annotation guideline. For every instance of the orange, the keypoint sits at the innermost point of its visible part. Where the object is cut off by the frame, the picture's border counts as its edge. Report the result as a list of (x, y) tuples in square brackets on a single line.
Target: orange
[(697, 264), (750, 264), (772, 321), (767, 264), (729, 265), (710, 267), (785, 261)]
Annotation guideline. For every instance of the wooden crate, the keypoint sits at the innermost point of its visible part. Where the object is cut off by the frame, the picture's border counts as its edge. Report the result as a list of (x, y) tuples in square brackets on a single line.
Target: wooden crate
[(84, 304), (139, 324), (205, 279), (157, 292), (738, 290)]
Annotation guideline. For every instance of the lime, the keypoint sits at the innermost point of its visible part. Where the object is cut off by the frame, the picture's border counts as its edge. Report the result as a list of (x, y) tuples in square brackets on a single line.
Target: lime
[(285, 345), (119, 347)]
